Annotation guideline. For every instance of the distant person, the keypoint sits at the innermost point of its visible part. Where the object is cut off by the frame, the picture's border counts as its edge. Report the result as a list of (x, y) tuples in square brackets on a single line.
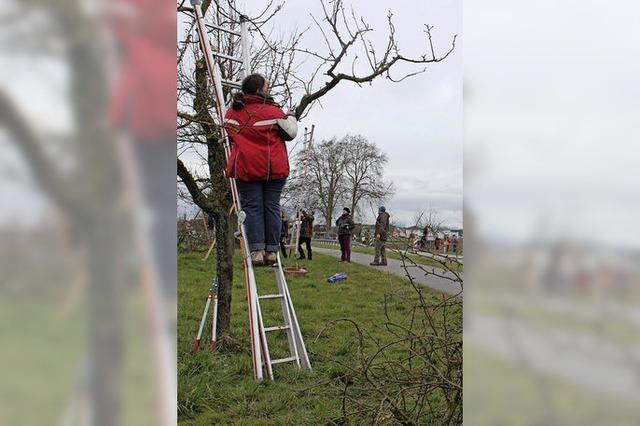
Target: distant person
[(436, 243), (454, 243), (345, 228), (424, 241), (306, 232), (381, 235), (284, 233), (447, 244)]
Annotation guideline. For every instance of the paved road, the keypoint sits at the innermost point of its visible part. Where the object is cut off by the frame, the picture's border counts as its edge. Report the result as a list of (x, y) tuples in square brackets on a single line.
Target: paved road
[(394, 266)]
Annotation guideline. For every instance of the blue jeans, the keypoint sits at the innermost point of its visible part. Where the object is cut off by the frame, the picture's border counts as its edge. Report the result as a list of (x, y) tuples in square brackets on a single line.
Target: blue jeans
[(261, 203)]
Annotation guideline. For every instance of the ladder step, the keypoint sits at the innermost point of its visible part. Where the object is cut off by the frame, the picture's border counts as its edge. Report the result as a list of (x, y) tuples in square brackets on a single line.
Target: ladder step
[(226, 30), (277, 327), (281, 360), (234, 84), (231, 58), (271, 296)]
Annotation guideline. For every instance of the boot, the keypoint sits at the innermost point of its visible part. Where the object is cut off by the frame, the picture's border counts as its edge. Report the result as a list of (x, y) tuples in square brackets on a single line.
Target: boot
[(375, 263), (271, 258), (257, 257)]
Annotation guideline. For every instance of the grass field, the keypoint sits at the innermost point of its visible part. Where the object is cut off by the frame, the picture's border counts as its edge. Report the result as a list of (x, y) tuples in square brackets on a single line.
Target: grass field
[(218, 388)]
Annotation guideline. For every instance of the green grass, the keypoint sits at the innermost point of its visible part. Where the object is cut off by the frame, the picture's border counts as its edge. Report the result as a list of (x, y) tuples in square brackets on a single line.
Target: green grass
[(218, 388)]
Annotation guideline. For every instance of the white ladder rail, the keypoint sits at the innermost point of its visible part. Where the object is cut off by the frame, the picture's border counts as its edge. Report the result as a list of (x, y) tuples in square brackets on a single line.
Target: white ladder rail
[(295, 238), (301, 349), (286, 312)]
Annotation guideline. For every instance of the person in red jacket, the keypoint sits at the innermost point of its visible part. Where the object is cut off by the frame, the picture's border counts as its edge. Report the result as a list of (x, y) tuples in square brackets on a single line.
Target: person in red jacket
[(258, 129)]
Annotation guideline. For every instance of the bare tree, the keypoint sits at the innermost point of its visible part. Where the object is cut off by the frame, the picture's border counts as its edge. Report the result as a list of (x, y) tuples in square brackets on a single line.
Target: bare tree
[(325, 184), (348, 170), (364, 172), (351, 56)]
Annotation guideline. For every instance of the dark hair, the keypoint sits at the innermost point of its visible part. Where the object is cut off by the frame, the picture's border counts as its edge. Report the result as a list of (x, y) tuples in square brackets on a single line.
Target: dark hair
[(251, 85)]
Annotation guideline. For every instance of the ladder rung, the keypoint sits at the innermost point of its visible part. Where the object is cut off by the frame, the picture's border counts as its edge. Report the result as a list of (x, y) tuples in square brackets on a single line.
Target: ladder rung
[(277, 327), (235, 84), (271, 296), (281, 360), (231, 58), (226, 30)]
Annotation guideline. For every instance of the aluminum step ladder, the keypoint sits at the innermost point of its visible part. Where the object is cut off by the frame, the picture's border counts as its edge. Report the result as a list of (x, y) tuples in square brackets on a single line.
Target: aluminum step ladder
[(262, 360), (294, 240), (213, 296)]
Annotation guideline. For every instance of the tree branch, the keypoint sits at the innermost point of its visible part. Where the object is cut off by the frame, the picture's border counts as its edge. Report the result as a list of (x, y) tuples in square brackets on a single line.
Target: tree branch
[(27, 142), (192, 186)]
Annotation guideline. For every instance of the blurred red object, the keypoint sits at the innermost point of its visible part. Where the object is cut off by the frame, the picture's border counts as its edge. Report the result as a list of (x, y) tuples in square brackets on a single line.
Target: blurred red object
[(144, 97)]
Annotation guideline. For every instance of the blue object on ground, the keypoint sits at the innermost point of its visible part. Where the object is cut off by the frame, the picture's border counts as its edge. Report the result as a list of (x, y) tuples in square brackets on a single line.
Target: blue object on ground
[(340, 276)]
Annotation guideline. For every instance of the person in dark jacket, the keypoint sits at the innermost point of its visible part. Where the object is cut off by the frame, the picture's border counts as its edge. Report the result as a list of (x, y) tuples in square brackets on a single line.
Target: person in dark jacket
[(259, 163), (306, 232), (382, 233), (345, 228), (284, 233)]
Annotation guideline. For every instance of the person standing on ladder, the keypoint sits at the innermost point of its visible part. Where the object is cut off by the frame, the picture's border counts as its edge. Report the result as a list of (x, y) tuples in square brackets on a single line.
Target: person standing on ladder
[(259, 162), (306, 232), (345, 227), (382, 233)]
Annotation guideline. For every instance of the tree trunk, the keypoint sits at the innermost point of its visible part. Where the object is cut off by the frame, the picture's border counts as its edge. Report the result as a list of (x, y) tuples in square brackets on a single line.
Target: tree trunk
[(328, 213), (224, 269), (218, 202), (354, 204)]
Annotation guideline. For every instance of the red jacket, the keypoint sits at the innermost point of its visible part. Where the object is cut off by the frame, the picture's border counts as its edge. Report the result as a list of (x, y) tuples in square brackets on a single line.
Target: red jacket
[(259, 152)]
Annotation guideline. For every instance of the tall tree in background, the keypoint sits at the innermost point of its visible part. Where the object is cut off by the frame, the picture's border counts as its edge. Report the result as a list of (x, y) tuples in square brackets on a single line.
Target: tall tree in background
[(349, 170), (363, 172), (325, 181)]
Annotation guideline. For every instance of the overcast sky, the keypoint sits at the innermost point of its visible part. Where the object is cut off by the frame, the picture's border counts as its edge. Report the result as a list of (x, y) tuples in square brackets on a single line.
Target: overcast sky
[(417, 122), (551, 121)]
